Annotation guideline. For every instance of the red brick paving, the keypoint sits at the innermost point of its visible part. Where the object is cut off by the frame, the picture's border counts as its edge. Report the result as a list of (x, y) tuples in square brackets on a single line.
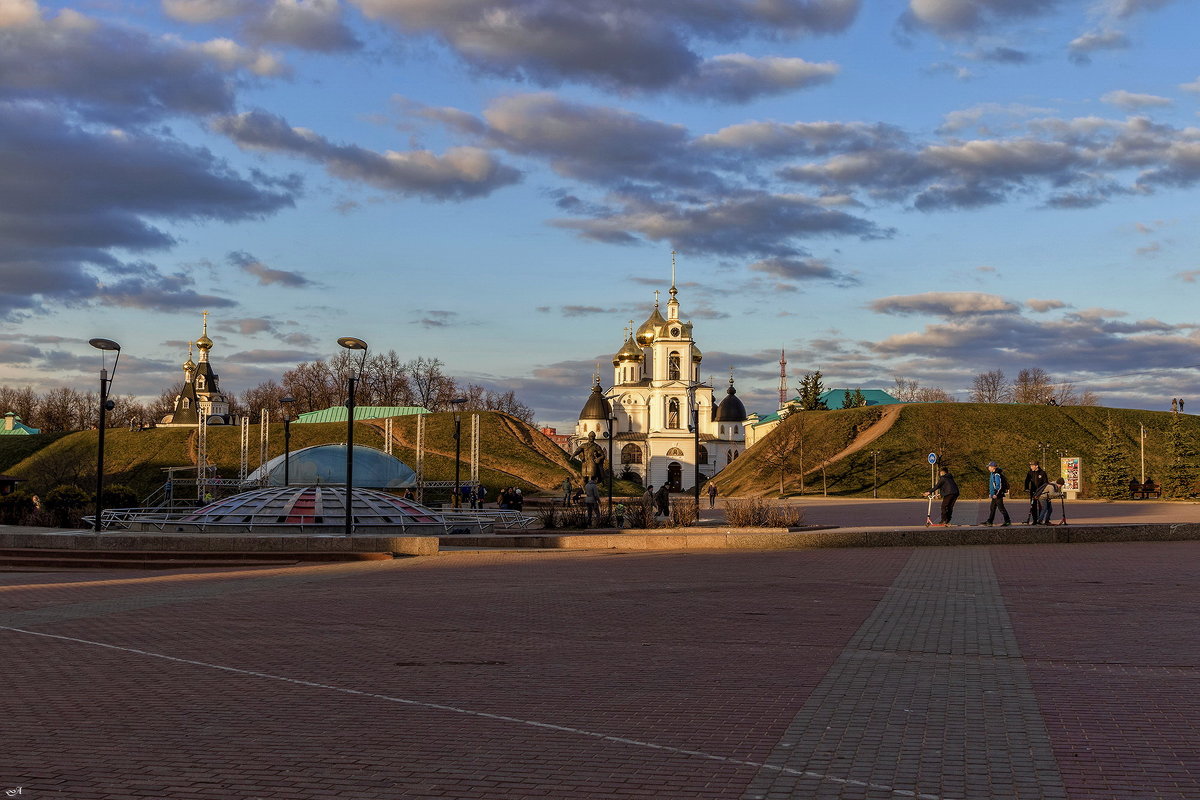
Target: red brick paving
[(1111, 637), (711, 652)]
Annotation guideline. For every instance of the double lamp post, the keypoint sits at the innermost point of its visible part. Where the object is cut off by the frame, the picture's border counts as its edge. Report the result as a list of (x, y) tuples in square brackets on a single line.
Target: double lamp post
[(106, 405)]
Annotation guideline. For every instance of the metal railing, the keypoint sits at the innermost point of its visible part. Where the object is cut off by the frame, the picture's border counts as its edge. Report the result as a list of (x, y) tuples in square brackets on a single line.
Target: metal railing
[(186, 521)]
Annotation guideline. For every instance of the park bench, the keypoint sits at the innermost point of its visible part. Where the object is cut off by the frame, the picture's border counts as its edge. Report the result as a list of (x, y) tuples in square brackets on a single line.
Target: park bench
[(1144, 491)]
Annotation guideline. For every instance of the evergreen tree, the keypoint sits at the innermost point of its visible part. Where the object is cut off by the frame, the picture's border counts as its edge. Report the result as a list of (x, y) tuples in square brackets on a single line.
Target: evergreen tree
[(848, 400), (1180, 478), (1112, 464), (860, 399), (811, 389)]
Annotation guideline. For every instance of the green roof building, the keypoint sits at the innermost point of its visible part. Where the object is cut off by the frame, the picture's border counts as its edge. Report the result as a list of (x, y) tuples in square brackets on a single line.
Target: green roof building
[(338, 413), (14, 427)]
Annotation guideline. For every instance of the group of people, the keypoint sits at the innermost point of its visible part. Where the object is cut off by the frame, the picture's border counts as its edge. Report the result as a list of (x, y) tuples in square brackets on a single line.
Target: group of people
[(511, 498), (1042, 494)]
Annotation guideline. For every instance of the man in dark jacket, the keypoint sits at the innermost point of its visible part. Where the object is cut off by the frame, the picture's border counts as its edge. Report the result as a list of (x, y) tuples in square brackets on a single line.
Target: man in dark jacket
[(948, 489), (1035, 479)]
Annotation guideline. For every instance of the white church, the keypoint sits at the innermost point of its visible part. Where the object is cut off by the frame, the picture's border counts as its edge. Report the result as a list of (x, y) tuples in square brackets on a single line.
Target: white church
[(655, 396)]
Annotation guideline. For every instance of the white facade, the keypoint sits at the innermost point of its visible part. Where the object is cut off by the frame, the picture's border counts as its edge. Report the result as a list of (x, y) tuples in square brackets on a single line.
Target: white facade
[(656, 386)]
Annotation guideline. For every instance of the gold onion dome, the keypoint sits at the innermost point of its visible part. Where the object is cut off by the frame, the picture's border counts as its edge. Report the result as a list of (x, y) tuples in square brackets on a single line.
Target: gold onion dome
[(189, 365), (628, 352), (204, 343), (650, 328)]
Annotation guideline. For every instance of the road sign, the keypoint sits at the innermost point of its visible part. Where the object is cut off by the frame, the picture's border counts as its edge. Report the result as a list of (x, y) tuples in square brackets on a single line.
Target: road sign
[(933, 458)]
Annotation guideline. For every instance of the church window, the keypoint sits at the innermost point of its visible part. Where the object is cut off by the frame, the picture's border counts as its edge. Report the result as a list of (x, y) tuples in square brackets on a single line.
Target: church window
[(199, 381), (674, 452), (722, 430), (673, 366), (188, 404), (702, 456), (673, 413), (631, 454)]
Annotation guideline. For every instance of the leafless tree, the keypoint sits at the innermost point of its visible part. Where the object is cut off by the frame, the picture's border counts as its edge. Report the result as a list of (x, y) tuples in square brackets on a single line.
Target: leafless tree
[(1033, 386), (906, 390), (933, 394), (990, 387)]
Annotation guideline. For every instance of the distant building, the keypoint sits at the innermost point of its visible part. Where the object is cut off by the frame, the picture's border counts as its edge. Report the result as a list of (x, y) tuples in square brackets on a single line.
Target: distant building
[(14, 427), (561, 439), (759, 426), (201, 392)]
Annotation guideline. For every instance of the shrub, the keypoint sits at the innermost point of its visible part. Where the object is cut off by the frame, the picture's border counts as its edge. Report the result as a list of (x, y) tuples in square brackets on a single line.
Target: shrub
[(15, 507), (758, 513), (548, 515), (574, 517), (120, 496), (64, 504), (684, 512), (640, 514)]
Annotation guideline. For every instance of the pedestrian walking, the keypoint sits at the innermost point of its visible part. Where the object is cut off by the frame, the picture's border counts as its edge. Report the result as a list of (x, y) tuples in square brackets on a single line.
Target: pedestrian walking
[(997, 489), (712, 494), (1035, 479), (566, 487), (591, 500), (947, 489)]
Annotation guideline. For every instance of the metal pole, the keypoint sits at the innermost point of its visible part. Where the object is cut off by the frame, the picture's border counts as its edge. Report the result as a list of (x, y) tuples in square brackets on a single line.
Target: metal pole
[(100, 449), (1143, 443), (875, 474), (611, 469), (287, 451), (457, 452), (352, 385)]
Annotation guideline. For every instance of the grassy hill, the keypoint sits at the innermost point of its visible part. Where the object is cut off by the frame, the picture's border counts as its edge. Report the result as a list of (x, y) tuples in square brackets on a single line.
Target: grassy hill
[(511, 452), (967, 435)]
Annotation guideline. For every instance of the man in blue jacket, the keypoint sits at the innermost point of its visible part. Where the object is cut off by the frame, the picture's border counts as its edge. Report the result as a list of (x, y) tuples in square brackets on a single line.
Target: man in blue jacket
[(997, 488)]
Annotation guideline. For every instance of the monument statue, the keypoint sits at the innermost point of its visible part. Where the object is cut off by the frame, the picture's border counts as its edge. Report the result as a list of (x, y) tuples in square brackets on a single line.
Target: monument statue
[(593, 458)]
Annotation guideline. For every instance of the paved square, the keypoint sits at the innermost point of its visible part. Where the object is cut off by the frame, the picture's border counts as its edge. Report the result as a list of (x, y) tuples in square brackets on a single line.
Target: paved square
[(1039, 671)]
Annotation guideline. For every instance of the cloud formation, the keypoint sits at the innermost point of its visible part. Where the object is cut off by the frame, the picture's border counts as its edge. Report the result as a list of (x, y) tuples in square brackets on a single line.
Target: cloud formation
[(305, 24), (623, 45), (461, 173), (266, 275)]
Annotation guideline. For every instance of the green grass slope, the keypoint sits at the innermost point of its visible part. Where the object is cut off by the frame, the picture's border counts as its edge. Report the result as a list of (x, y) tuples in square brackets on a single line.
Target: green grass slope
[(511, 452), (967, 435), (15, 449)]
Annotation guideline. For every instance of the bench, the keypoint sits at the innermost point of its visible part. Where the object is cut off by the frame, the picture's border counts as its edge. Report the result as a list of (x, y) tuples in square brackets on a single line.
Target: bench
[(1144, 491)]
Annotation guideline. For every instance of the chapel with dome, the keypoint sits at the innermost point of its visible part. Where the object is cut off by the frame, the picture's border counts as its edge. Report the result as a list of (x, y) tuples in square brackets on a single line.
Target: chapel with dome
[(201, 393), (656, 389)]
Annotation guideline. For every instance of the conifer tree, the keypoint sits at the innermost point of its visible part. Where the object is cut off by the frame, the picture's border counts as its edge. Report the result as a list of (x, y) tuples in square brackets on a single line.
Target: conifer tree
[(1180, 477), (1112, 464), (811, 389)]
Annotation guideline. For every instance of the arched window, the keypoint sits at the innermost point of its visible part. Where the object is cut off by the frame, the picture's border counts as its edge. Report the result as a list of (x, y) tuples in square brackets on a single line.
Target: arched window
[(702, 456), (730, 456), (674, 452), (188, 404), (673, 366), (199, 381), (631, 454), (673, 413)]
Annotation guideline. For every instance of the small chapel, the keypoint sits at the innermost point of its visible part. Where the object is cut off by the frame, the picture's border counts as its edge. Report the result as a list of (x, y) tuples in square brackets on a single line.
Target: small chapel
[(656, 404), (201, 393)]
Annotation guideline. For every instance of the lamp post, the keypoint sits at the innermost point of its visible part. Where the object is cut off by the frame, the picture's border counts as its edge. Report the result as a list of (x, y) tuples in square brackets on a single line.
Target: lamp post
[(287, 438), (1043, 446), (351, 343), (456, 402), (875, 474), (694, 414), (105, 406)]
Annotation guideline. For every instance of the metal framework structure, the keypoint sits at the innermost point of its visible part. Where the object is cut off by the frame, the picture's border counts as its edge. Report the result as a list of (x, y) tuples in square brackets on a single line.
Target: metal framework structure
[(419, 467), (201, 456), (264, 440), (474, 449), (387, 436), (244, 468)]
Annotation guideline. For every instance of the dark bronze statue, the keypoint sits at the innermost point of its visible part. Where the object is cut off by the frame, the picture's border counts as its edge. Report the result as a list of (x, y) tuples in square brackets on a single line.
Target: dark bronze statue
[(595, 462)]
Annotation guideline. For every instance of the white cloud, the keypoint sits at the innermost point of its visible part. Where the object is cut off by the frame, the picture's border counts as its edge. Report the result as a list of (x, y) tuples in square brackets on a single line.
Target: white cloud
[(1131, 101)]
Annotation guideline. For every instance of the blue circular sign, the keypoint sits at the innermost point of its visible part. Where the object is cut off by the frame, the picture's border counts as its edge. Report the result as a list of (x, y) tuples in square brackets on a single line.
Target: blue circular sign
[(933, 458)]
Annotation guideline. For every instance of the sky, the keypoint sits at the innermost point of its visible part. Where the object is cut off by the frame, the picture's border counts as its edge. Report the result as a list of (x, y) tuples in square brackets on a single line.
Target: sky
[(917, 189)]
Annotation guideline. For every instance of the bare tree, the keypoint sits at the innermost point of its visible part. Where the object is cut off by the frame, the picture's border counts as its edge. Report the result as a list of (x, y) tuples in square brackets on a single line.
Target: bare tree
[(990, 387), (431, 387), (1033, 386), (782, 450), (932, 394), (906, 390)]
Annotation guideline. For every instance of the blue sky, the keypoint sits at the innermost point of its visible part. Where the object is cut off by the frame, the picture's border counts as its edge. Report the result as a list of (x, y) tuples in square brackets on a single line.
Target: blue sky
[(926, 189)]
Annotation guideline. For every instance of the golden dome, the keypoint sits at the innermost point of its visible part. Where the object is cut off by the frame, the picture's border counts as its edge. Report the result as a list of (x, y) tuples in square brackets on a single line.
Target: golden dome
[(650, 328), (204, 343), (628, 352), (189, 365)]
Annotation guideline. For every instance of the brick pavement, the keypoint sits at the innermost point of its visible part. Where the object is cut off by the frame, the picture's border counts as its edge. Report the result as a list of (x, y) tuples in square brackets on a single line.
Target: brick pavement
[(587, 675)]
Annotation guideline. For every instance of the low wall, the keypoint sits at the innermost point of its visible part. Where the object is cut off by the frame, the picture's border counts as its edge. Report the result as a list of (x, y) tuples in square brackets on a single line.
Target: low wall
[(13, 538)]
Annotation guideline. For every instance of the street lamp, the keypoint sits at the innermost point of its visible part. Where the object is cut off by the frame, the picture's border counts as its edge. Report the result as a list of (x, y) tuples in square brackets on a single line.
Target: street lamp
[(287, 438), (1043, 446), (456, 402), (875, 474), (351, 343), (105, 406), (694, 414)]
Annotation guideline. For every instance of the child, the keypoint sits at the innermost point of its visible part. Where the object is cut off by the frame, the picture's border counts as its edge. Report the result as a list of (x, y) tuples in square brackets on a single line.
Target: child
[(619, 511)]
